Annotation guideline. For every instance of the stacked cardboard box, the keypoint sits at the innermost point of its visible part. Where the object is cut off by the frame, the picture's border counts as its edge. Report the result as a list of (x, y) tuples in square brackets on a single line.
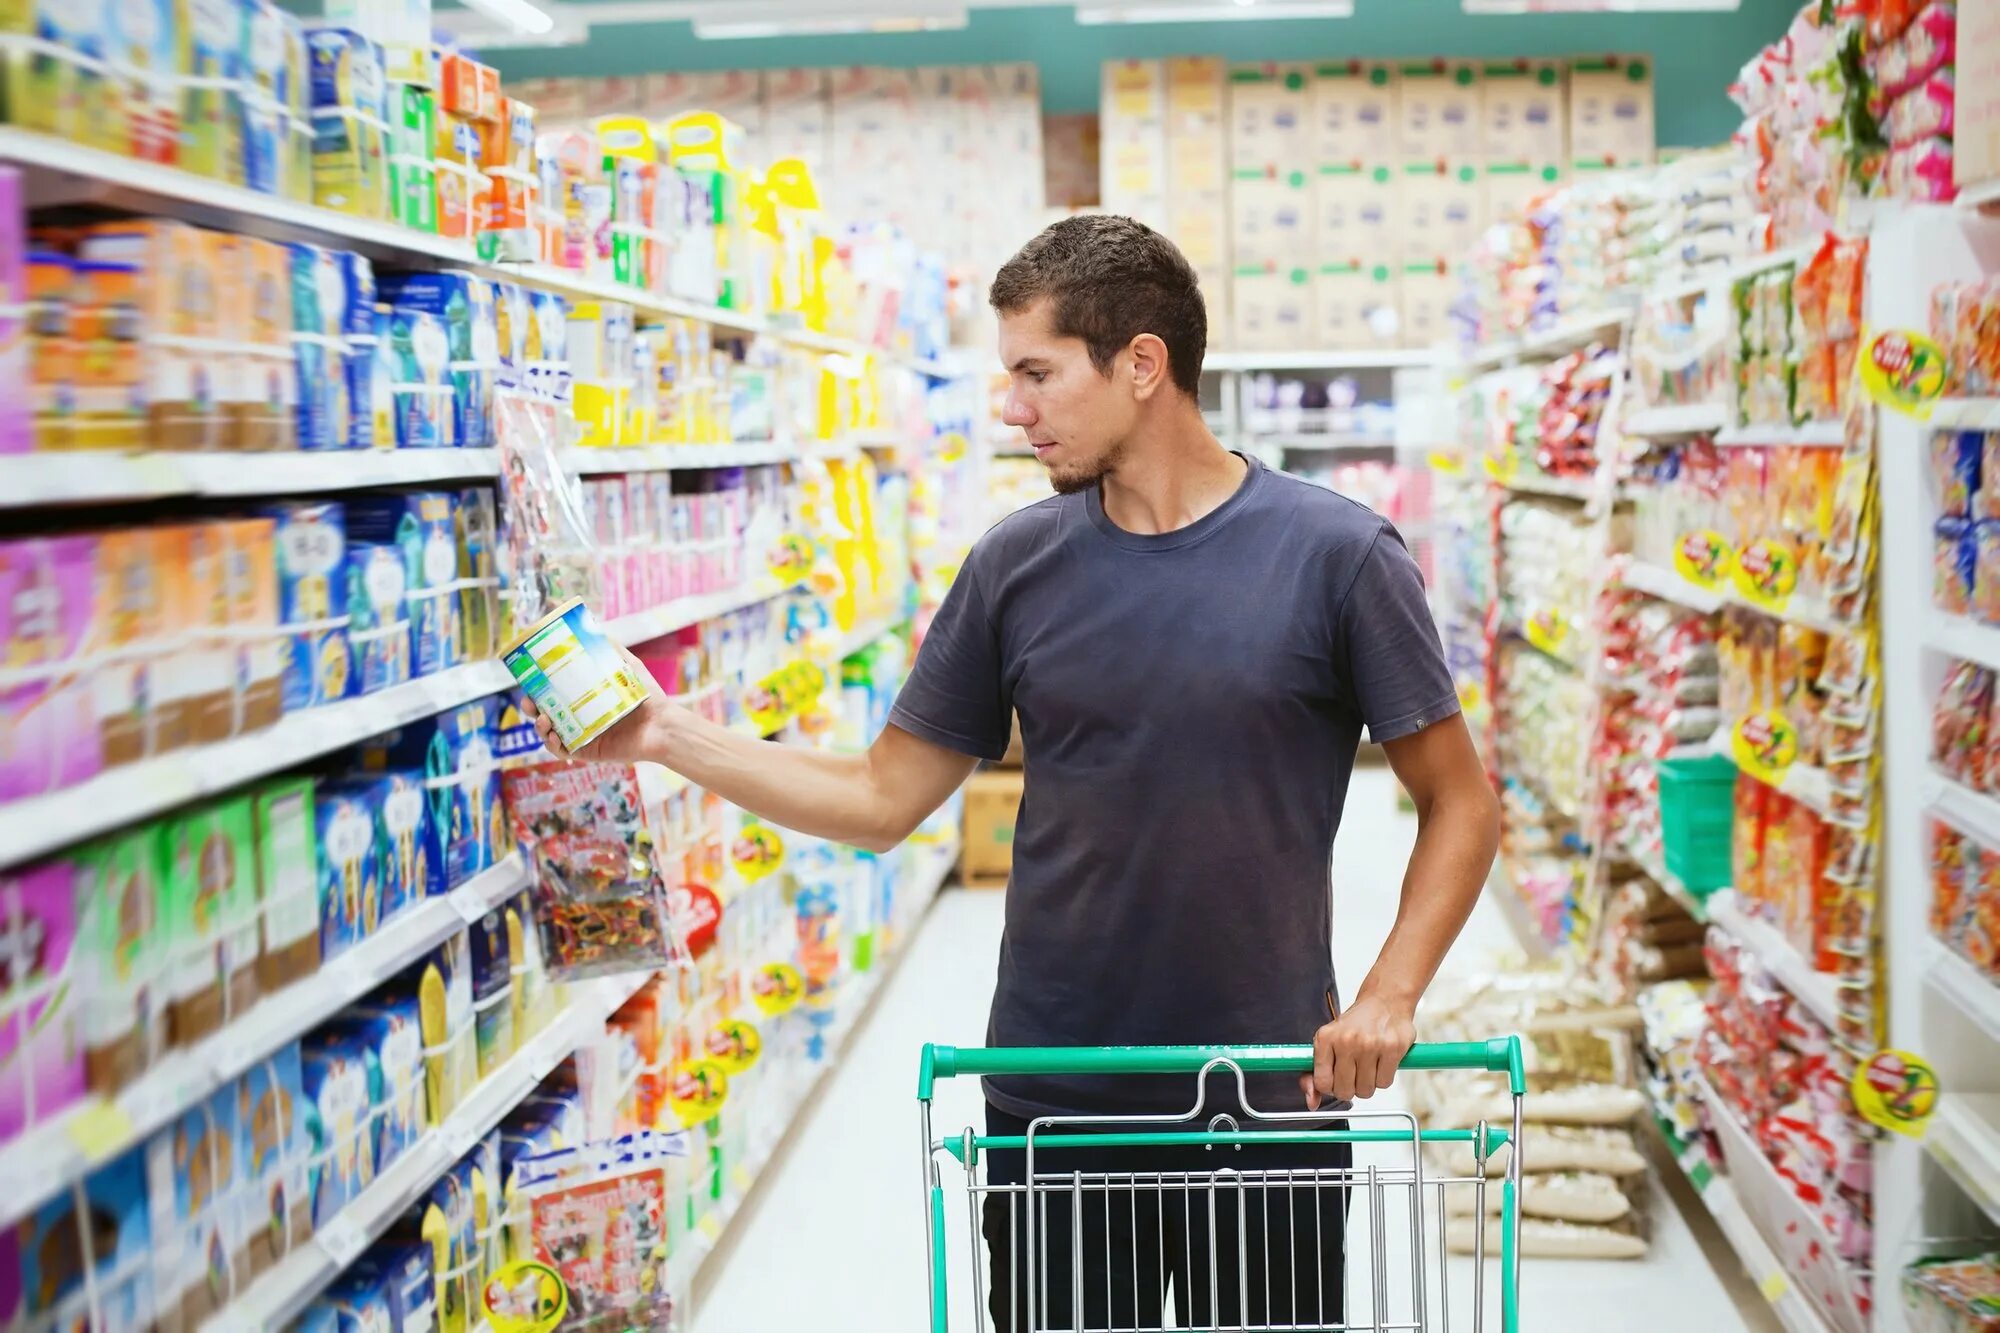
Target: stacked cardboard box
[(992, 809), (1355, 187)]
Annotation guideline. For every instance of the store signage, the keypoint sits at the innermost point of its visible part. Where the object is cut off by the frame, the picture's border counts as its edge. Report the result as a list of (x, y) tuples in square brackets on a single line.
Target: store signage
[(1503, 466), (777, 988), (1767, 572), (1704, 559), (524, 1297), (697, 1091), (1897, 1091), (757, 851), (733, 1044), (791, 558), (1765, 745), (783, 695), (1903, 371)]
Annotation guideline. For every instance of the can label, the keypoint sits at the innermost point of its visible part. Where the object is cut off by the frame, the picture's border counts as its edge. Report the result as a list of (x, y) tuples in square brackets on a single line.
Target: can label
[(575, 675)]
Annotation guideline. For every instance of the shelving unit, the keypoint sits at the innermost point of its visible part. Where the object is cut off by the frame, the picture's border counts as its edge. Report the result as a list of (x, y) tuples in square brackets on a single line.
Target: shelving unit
[(1251, 362), (1965, 988), (1964, 1139), (1812, 435), (1676, 422), (1815, 989)]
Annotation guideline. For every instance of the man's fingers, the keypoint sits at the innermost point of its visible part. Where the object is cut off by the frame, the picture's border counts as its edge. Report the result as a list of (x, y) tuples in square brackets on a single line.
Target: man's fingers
[(1322, 1075), (1312, 1093), (1343, 1075), (1366, 1063)]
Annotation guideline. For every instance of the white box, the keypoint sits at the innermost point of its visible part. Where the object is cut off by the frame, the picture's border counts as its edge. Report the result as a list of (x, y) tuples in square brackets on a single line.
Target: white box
[(1199, 225), (1196, 92), (1132, 93), (1271, 311), (1271, 221), (797, 118), (1355, 113), (1976, 137), (1524, 116), (1441, 211), (1438, 107), (1358, 213), (1357, 306), (1270, 107), (1610, 112), (1428, 291)]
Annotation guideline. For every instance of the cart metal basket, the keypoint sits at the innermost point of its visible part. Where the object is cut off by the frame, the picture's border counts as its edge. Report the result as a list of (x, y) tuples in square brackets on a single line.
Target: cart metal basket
[(1095, 1218)]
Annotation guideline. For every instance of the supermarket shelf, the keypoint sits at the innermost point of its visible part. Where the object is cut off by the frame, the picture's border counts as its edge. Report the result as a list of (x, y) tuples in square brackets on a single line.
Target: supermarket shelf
[(676, 457), (1973, 811), (1319, 360), (862, 635), (645, 626), (1559, 488), (1309, 444), (1766, 1270), (1964, 1139), (1669, 586), (30, 480), (1965, 414), (1676, 421), (286, 1289), (1694, 904), (1567, 335), (47, 1160), (1966, 638), (131, 792), (1811, 435), (714, 1239), (1514, 908), (1984, 195), (1967, 989), (1815, 989)]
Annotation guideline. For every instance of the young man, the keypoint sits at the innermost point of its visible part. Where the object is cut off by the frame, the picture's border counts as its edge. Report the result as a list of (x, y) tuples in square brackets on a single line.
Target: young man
[(1192, 643)]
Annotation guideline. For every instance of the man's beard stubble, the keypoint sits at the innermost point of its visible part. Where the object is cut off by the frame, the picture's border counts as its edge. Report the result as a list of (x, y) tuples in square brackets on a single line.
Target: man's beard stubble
[(1089, 474)]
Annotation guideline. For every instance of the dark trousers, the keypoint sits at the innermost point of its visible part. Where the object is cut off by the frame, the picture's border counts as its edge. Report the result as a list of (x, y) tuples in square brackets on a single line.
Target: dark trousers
[(1235, 1255)]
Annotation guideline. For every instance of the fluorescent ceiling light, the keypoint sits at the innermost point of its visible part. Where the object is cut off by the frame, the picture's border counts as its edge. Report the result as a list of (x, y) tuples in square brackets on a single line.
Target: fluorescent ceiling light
[(1212, 13), (517, 15), (773, 23), (1598, 6)]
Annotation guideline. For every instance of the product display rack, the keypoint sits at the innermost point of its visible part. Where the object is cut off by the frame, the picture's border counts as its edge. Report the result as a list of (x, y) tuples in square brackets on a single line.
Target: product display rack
[(1940, 1006)]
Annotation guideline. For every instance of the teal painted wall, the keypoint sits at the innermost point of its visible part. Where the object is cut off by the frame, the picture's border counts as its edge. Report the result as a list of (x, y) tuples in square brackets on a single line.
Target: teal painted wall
[(1697, 55)]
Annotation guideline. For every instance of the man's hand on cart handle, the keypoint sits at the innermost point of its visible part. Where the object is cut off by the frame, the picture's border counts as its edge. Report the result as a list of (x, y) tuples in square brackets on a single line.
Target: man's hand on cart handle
[(1356, 1053)]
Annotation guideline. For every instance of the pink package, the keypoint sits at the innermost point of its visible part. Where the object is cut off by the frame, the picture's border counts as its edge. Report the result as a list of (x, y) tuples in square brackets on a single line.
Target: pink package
[(49, 736), (1921, 171), (1924, 112), (16, 402), (1928, 45), (41, 1048)]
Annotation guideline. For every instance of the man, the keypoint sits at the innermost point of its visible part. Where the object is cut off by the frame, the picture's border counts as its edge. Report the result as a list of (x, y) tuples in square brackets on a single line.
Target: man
[(1192, 643)]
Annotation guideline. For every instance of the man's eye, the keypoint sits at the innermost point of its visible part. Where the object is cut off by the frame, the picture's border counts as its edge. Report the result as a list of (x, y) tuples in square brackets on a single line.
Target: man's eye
[(1038, 375)]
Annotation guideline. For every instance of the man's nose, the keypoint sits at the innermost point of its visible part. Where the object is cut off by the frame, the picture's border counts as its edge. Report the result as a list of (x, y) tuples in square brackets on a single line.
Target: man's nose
[(1014, 412)]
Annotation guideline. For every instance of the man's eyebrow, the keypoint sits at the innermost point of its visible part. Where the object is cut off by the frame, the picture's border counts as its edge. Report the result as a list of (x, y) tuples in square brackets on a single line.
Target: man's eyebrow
[(1029, 363)]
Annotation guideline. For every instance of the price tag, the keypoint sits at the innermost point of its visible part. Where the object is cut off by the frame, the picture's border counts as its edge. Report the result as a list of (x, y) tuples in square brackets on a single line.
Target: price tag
[(1503, 467), (791, 558), (470, 905), (1903, 371), (697, 1091), (1774, 1287), (1704, 559), (733, 1044), (951, 447), (1765, 745), (710, 1227), (460, 1139), (1449, 465), (777, 988), (524, 1297), (343, 1239), (1766, 573), (1547, 630), (1897, 1091)]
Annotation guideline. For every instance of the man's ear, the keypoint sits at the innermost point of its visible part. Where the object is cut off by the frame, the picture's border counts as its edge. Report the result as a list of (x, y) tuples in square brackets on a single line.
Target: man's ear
[(1149, 365)]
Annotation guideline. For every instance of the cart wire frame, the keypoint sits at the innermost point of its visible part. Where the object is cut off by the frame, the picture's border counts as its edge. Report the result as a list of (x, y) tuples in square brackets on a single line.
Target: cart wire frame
[(1498, 1055)]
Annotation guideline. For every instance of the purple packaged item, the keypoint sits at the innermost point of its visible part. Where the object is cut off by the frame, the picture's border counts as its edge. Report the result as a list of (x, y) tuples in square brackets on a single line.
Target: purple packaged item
[(41, 1047), (16, 403), (1954, 562), (49, 736)]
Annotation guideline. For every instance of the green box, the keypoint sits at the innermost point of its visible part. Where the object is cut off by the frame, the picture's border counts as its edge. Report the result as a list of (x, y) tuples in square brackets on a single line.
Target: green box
[(121, 951), (209, 856), (1697, 814)]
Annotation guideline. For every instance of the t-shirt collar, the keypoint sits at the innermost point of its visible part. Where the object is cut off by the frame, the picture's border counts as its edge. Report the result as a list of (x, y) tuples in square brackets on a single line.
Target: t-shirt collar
[(1193, 532)]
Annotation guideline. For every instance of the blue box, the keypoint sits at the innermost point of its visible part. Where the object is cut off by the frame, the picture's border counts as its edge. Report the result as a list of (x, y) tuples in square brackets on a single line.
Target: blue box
[(457, 753), (51, 1265), (274, 1147), (319, 348), (348, 72), (465, 305), (192, 1175), (378, 625), (350, 864), (412, 855), (367, 429), (419, 356), (408, 1272), (337, 1107), (361, 1301), (424, 527), (311, 542), (391, 1029)]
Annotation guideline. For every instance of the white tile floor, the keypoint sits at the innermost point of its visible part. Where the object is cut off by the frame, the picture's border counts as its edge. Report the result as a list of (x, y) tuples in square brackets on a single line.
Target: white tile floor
[(835, 1240)]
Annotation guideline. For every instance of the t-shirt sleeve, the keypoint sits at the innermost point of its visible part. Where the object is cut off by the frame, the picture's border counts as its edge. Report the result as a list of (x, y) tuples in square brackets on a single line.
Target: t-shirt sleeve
[(1388, 644), (955, 696)]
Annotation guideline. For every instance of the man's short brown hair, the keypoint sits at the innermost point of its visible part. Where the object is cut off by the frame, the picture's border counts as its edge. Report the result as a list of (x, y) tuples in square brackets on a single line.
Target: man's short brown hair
[(1110, 279)]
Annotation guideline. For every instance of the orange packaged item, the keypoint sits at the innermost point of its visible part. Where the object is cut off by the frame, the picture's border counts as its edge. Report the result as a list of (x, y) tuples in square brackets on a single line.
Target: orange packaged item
[(1747, 833), (130, 627), (52, 348), (257, 386), (1979, 923), (251, 625), (105, 324), (1950, 864)]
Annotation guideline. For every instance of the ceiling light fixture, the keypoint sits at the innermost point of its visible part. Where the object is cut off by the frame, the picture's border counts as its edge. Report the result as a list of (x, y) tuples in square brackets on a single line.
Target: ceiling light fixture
[(517, 15), (776, 23), (1599, 6), (1212, 13)]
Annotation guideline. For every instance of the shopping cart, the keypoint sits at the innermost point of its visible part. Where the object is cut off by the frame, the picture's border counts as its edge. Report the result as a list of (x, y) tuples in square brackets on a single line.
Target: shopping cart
[(1065, 1223)]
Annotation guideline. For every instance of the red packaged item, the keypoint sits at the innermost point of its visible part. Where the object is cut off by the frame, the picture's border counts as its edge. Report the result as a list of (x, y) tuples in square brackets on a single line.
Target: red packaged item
[(1951, 862), (1747, 831), (1959, 721)]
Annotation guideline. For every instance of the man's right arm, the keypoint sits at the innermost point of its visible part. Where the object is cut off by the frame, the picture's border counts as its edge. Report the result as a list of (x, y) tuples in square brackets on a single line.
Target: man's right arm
[(871, 800)]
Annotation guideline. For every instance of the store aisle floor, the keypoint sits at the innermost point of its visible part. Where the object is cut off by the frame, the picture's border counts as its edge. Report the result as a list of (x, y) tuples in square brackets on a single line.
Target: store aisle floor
[(836, 1240)]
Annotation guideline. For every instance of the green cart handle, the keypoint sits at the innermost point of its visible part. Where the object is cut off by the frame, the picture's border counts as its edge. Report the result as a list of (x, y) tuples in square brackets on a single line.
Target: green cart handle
[(1499, 1055)]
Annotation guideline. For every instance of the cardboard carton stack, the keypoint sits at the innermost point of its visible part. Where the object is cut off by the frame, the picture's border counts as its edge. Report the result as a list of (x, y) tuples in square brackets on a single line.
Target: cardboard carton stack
[(992, 805), (1354, 187)]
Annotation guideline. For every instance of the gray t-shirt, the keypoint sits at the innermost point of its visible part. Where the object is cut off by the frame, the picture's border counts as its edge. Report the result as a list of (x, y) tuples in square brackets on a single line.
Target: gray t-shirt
[(1190, 706)]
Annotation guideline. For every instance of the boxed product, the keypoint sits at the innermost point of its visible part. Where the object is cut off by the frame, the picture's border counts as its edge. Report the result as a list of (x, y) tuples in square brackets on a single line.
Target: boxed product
[(357, 1302), (212, 109), (51, 1259), (1611, 111), (365, 405), (992, 804), (1357, 213), (1271, 220), (390, 1029), (492, 990), (257, 389), (1270, 119), (274, 1146), (422, 528), (338, 1104), (399, 29), (193, 1171), (1428, 291), (378, 611), (287, 882), (319, 347), (457, 753), (210, 921), (1355, 113), (137, 577), (420, 386), (1438, 106), (1440, 217), (178, 300), (350, 864), (478, 573), (121, 956), (464, 304), (1357, 306), (406, 1272), (52, 738), (444, 997), (312, 602), (42, 1067), (1523, 114), (1271, 308)]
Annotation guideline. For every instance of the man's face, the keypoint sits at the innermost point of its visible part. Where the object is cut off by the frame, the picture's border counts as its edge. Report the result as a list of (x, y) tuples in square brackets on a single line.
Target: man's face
[(1076, 419)]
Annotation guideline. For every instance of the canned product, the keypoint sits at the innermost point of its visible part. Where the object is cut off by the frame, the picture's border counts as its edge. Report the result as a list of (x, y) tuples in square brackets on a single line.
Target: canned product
[(574, 674)]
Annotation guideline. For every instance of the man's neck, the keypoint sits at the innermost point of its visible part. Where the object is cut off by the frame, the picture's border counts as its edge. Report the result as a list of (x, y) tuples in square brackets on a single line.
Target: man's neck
[(1173, 474)]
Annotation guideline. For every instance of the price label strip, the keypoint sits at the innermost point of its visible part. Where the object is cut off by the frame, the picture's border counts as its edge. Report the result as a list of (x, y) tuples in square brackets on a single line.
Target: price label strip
[(1704, 559), (1765, 745), (1903, 371), (1897, 1091)]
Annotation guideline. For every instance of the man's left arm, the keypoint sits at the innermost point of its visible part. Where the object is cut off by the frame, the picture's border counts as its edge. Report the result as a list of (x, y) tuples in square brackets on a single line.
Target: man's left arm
[(1458, 832)]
